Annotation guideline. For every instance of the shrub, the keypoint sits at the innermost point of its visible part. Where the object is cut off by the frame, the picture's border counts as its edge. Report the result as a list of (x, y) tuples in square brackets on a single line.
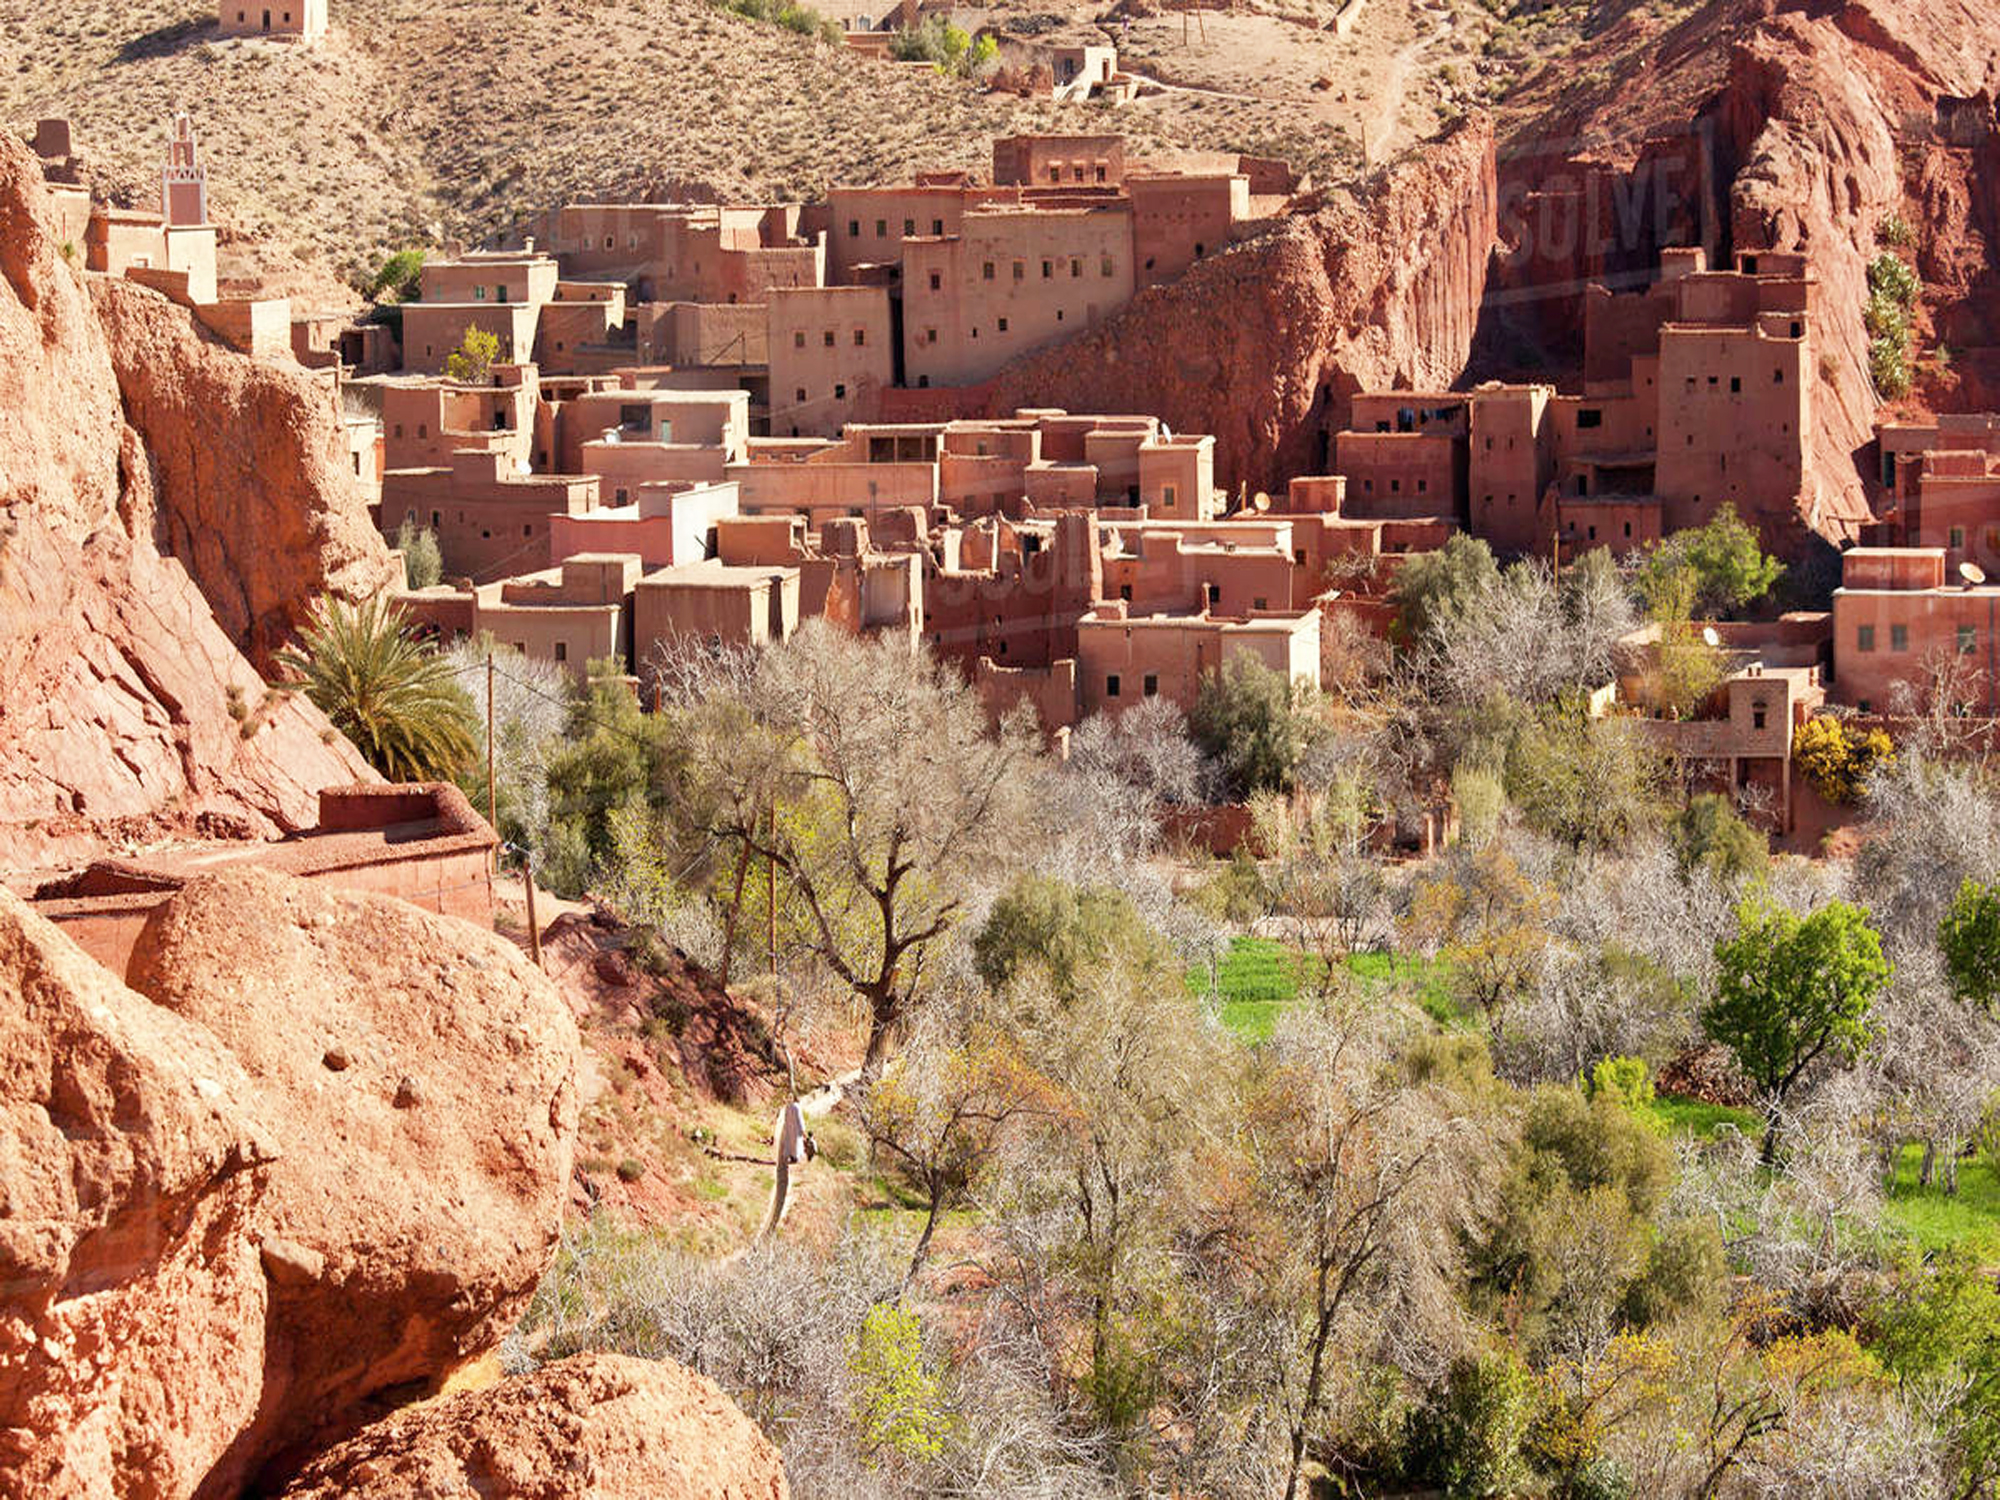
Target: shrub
[(1623, 1080), (631, 1169), (1893, 288), (1467, 1435), (900, 1400), (1895, 232), (1836, 763), (397, 279), (1709, 834), (423, 563), (1255, 724), (471, 363)]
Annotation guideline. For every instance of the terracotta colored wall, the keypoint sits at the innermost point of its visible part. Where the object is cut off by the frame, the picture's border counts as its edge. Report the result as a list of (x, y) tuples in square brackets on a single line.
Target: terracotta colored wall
[(831, 353)]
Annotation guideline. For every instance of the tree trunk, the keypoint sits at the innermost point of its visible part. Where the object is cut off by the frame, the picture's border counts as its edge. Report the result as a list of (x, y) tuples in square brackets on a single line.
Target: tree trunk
[(924, 1240), (1929, 1166)]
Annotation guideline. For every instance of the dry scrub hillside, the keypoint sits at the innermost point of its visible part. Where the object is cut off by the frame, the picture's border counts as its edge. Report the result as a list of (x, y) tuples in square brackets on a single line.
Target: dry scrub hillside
[(429, 120)]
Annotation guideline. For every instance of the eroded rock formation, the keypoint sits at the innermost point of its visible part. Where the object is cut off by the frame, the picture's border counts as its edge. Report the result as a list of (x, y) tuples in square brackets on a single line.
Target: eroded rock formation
[(600, 1425), (125, 438), (1265, 344), (318, 1168), (1786, 125)]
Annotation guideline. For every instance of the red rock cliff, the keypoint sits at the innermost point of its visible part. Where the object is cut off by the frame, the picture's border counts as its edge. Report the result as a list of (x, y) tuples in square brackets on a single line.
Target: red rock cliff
[(163, 502), (1788, 125), (1265, 344)]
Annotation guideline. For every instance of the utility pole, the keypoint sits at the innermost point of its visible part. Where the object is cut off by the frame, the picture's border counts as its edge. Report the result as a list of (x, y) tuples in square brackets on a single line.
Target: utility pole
[(492, 797), (534, 927)]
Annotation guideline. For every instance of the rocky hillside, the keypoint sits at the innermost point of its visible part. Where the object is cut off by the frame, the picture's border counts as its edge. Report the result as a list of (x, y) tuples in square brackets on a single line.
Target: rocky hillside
[(423, 122), (139, 566)]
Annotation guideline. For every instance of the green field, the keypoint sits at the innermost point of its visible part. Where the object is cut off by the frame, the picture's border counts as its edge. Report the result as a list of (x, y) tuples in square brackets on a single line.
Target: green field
[(1261, 976), (1937, 1220), (1679, 1116)]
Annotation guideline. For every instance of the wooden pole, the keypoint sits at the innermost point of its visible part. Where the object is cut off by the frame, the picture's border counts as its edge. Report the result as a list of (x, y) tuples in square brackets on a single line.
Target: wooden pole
[(534, 927), (492, 796), (771, 891)]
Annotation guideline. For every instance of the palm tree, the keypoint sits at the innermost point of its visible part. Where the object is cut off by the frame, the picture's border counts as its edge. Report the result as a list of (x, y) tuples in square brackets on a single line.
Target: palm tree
[(383, 689)]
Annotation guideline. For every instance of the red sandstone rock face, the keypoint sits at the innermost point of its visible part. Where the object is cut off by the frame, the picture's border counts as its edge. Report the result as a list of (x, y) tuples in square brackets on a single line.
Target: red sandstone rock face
[(417, 1077), (1789, 125), (124, 706), (1265, 344), (600, 1426), (249, 478), (131, 1169)]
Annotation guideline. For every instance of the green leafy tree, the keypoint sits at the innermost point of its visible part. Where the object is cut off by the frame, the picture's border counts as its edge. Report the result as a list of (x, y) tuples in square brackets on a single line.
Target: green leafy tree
[(1467, 1435), (471, 363), (1709, 834), (384, 690), (423, 563), (1590, 782), (1433, 587), (1707, 571), (1969, 936), (1937, 1333), (1791, 991), (1255, 724)]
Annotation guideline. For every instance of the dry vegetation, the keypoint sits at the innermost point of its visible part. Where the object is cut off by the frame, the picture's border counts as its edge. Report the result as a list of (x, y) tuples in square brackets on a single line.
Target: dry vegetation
[(424, 123)]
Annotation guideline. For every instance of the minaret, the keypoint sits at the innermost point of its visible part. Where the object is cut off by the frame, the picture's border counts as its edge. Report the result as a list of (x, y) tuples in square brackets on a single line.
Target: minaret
[(183, 180)]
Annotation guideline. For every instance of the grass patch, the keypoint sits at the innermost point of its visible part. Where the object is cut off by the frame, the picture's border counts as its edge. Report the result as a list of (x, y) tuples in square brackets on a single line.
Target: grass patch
[(1937, 1220), (1259, 977), (1679, 1115)]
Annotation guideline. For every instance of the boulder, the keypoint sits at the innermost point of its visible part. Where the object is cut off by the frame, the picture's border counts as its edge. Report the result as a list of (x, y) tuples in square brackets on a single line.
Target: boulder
[(132, 1166), (601, 1426), (418, 1077)]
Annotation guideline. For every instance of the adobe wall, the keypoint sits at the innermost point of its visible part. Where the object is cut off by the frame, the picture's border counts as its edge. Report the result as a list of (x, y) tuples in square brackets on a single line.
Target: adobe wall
[(1177, 220), (832, 351), (1399, 475), (1008, 284)]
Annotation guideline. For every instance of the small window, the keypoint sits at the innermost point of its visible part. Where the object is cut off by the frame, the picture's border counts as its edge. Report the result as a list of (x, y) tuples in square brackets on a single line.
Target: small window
[(1003, 325), (827, 338), (881, 229), (1589, 416), (1048, 269), (1967, 640), (854, 229), (1899, 637), (1957, 536), (1125, 592), (937, 226), (930, 335), (1259, 603), (1169, 496), (562, 650), (1111, 685), (839, 391), (479, 294), (860, 337), (1777, 377), (799, 339), (1020, 270), (1757, 717), (1736, 385), (1075, 267), (937, 281), (909, 226), (1214, 593), (1864, 638), (986, 271), (1151, 685), (799, 394), (1107, 267)]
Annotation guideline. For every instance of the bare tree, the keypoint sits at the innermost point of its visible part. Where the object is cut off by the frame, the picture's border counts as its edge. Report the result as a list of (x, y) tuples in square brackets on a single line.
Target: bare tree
[(866, 777)]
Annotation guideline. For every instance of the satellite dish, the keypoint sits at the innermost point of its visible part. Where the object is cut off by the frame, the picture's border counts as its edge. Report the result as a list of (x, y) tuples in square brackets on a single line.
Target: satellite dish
[(1709, 636), (1260, 502), (1972, 573)]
